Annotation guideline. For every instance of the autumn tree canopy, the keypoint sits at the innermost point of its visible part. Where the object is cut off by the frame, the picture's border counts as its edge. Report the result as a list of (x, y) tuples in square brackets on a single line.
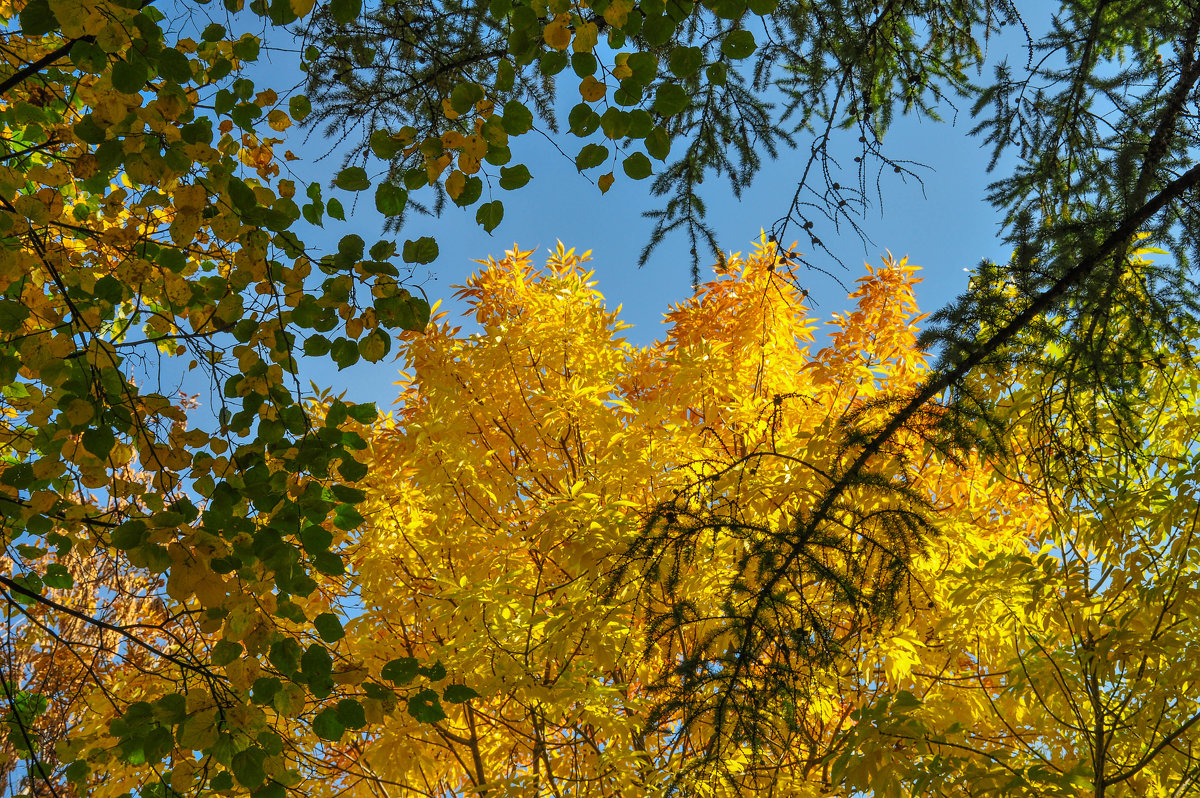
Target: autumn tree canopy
[(1039, 640), (1090, 125), (724, 563)]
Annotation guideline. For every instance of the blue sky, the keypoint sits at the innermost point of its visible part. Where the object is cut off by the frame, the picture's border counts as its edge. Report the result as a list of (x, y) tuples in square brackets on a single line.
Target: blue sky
[(945, 226)]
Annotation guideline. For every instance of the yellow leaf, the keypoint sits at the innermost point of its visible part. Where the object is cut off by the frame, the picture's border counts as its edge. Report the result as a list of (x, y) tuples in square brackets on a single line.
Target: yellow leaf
[(617, 13), (475, 146), (557, 34), (591, 89), (605, 182), (468, 163), (585, 37), (455, 184), (278, 120), (435, 166), (79, 412)]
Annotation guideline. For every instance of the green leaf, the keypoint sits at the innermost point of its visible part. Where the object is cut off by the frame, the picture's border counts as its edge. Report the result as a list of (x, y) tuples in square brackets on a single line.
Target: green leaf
[(583, 120), (363, 413), (344, 352), (425, 707), (404, 311), (670, 99), (458, 693), (327, 725), (584, 64), (517, 118), (37, 19), (58, 577), (326, 561), (640, 123), (88, 131), (129, 77), (347, 518), (241, 196), (763, 8), (592, 155), (685, 61), (644, 67), (729, 9), (390, 199), (423, 250), (272, 789), (247, 48), (637, 166), (615, 123), (630, 92), (513, 177), (344, 11), (738, 44), (247, 767), (552, 62), (498, 154), (384, 144), (99, 441), (374, 346), (353, 178), (658, 30), (329, 627), (351, 714), (472, 190), (316, 345), (129, 535), (285, 656), (334, 209), (489, 214), (174, 66), (299, 107), (400, 671), (12, 315), (225, 652), (315, 663), (464, 96), (658, 144)]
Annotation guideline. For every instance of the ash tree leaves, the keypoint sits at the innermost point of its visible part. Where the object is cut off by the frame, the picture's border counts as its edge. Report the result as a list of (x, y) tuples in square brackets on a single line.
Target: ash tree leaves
[(551, 364)]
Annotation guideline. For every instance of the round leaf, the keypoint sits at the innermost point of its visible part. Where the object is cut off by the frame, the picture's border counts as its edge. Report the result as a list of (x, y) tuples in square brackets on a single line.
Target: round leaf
[(637, 166), (328, 726), (489, 214), (738, 44), (423, 250), (353, 178)]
